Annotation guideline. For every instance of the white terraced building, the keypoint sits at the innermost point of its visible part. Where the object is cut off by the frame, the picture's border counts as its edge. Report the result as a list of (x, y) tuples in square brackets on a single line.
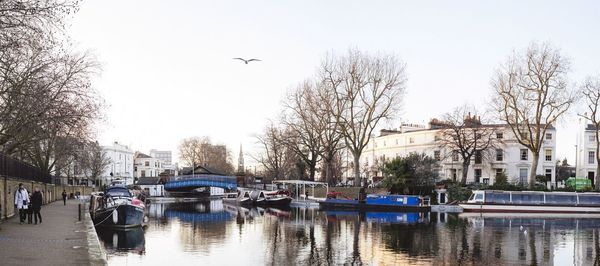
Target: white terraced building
[(585, 161), (512, 158)]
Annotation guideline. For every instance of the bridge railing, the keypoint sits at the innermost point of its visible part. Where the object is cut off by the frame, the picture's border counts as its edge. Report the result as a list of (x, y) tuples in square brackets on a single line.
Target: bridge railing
[(215, 178)]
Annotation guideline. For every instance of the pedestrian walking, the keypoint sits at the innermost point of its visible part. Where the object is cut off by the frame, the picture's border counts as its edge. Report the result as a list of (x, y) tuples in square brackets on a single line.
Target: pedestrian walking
[(29, 211), (21, 202), (64, 195), (36, 204)]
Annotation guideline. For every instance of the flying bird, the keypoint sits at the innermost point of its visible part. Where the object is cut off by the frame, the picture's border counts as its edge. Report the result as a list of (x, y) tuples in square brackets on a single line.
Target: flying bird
[(246, 61)]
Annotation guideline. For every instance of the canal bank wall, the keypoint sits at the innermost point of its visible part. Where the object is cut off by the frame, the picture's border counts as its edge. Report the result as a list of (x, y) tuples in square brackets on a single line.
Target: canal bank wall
[(52, 192)]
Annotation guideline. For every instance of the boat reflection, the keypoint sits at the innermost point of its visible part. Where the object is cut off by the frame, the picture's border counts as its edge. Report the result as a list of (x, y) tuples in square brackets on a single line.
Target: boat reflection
[(379, 217), (198, 212), (122, 240)]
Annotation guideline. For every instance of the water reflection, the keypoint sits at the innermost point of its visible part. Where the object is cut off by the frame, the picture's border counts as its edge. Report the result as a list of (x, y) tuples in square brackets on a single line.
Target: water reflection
[(213, 233), (122, 240)]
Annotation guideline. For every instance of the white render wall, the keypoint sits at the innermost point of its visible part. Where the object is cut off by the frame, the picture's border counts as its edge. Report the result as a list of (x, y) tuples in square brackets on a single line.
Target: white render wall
[(121, 163), (586, 143), (423, 141), (153, 169)]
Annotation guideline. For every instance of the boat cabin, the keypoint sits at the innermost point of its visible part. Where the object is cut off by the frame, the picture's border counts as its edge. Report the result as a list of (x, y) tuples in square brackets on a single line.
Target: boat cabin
[(495, 197)]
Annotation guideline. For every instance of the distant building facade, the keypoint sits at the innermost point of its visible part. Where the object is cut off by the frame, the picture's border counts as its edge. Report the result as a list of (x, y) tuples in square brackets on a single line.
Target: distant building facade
[(146, 166), (120, 166), (510, 157), (586, 150), (166, 158)]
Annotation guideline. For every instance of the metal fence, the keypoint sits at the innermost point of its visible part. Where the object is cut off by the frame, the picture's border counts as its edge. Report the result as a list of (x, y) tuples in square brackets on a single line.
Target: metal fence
[(14, 168)]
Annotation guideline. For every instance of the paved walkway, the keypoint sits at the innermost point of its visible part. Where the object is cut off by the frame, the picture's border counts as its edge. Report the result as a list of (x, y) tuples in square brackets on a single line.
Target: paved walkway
[(60, 240)]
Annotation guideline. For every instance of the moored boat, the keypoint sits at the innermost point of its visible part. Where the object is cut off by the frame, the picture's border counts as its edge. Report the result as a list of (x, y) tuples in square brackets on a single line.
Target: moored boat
[(376, 202), (532, 202), (238, 198), (116, 207)]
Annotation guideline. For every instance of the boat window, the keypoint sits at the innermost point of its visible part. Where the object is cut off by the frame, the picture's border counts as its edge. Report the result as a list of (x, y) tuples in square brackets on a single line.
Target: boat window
[(479, 197), (497, 197), (118, 192), (527, 198), (472, 197), (561, 199), (593, 200)]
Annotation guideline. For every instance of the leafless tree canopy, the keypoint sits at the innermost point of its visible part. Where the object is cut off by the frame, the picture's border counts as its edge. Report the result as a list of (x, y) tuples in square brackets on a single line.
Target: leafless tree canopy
[(591, 96), (532, 93), (276, 157), (199, 151), (463, 133), (368, 88), (46, 97)]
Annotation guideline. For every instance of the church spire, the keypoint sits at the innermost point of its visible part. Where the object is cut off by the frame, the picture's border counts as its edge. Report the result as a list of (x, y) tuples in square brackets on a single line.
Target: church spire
[(241, 167)]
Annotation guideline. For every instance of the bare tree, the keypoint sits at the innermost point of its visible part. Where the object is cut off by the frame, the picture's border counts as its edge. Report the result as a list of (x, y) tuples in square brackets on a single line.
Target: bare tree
[(531, 94), (591, 92), (199, 151), (368, 88), (277, 159), (94, 161), (464, 135), (301, 119), (331, 136)]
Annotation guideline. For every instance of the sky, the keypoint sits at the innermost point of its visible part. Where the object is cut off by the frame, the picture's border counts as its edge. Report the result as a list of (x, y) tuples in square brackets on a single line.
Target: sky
[(168, 72)]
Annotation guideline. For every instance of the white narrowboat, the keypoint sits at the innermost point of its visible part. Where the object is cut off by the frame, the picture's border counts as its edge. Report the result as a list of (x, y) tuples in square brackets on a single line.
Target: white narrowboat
[(532, 202)]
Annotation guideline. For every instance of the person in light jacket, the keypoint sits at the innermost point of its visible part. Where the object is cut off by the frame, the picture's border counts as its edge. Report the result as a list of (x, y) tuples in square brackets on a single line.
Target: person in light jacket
[(21, 202)]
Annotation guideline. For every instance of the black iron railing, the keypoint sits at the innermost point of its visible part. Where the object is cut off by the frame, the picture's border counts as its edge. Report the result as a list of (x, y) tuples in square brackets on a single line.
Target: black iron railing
[(18, 169)]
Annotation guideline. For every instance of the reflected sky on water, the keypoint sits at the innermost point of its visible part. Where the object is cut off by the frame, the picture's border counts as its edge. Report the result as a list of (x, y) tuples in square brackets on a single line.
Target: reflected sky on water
[(211, 233)]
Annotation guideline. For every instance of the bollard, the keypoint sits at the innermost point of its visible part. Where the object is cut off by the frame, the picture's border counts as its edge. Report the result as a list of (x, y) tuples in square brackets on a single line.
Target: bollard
[(79, 211)]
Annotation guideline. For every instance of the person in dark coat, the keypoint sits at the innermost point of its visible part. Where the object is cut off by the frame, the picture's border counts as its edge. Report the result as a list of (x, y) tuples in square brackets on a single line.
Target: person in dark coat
[(64, 195), (29, 211), (36, 204)]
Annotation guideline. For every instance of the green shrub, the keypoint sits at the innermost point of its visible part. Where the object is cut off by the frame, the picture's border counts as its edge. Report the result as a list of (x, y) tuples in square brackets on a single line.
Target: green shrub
[(458, 192)]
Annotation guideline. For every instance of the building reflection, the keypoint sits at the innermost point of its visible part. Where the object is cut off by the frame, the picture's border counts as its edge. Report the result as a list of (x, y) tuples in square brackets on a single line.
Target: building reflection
[(120, 240), (312, 237)]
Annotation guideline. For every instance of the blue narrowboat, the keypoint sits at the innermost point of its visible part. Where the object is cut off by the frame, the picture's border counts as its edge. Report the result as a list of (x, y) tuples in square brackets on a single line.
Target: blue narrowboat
[(376, 202)]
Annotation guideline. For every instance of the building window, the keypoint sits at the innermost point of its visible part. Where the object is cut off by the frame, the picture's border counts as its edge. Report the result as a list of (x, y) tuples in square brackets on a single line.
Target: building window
[(499, 155), (499, 172), (143, 173), (455, 156), (384, 143), (548, 174), (499, 135), (548, 136), (548, 153), (155, 164), (524, 154), (478, 157), (436, 155), (411, 140), (146, 163), (592, 138), (591, 157), (477, 175), (523, 176), (453, 174)]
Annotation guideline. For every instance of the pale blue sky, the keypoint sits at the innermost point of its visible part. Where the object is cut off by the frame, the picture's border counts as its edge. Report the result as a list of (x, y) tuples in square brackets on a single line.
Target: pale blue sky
[(168, 72)]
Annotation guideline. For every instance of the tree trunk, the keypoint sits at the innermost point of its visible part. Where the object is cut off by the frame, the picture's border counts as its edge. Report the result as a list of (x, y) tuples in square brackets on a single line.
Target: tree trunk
[(327, 172), (597, 176), (357, 169), (465, 171), (533, 170)]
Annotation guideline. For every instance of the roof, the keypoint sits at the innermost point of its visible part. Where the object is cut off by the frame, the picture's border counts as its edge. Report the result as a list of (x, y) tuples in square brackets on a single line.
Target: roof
[(148, 181), (142, 155), (201, 170)]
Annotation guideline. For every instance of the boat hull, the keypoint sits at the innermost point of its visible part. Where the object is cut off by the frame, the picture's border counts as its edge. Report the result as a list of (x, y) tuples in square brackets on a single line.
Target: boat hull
[(473, 207), (275, 202), (126, 216), (246, 202)]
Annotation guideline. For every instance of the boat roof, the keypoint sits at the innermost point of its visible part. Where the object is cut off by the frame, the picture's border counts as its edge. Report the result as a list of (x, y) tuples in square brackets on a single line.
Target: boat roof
[(531, 191)]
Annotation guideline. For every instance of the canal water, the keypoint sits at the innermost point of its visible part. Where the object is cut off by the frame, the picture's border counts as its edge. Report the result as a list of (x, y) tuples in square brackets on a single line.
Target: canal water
[(211, 233)]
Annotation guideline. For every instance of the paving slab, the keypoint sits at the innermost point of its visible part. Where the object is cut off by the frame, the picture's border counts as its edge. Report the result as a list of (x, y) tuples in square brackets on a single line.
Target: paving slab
[(60, 240)]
